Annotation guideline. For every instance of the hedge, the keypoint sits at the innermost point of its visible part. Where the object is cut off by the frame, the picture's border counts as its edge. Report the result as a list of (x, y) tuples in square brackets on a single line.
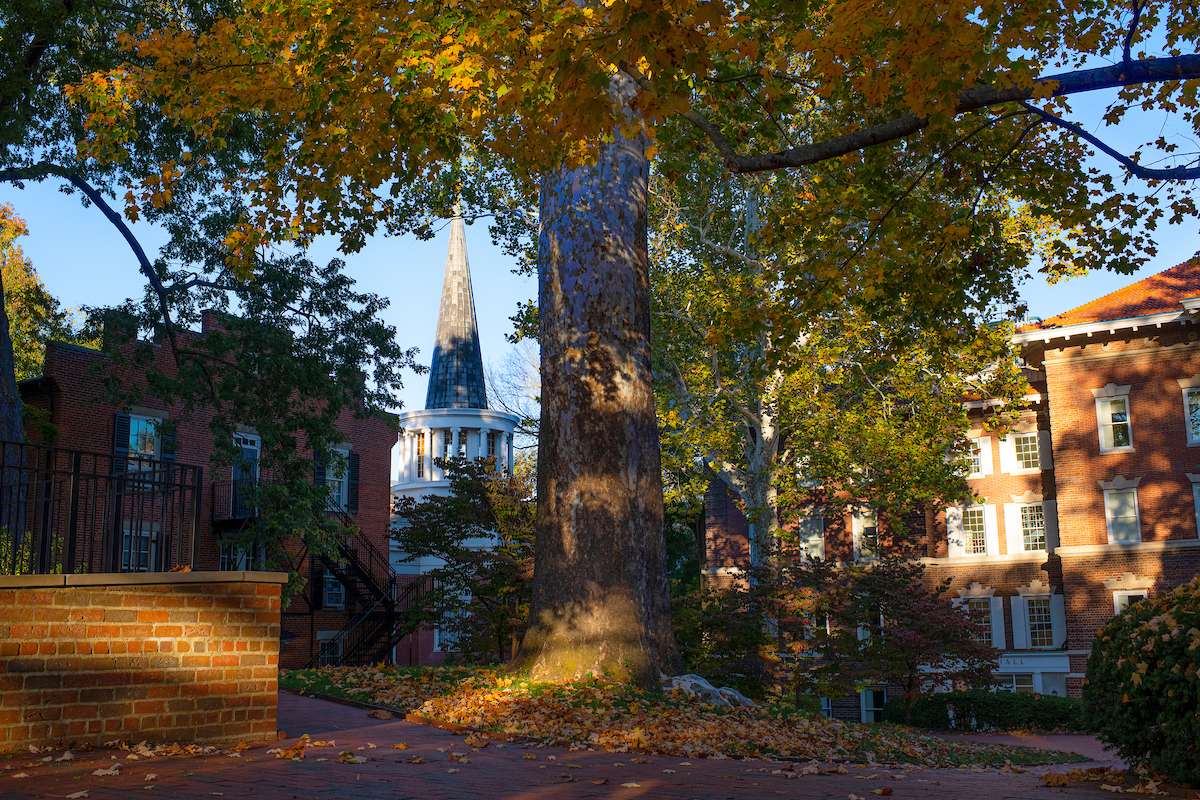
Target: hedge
[(1142, 694), (983, 710)]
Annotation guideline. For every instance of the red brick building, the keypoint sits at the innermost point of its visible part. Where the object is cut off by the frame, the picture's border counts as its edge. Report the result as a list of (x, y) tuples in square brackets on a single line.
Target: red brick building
[(1088, 504), (150, 444)]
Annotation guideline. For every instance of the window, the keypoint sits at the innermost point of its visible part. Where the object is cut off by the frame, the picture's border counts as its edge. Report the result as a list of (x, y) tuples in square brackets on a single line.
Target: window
[(329, 651), (1116, 432), (446, 443), (865, 530), (976, 461), (333, 592), (979, 610), (1124, 599), (873, 701), (421, 454), (1025, 451), (337, 478), (1121, 513), (827, 707), (1041, 622), (1191, 410), (1015, 682), (1033, 527), (237, 557), (974, 530), (144, 442), (810, 532), (139, 547)]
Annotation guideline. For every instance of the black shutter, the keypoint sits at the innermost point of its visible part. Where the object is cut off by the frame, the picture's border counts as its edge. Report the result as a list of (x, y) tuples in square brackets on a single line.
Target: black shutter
[(318, 585), (166, 441), (318, 468), (120, 443), (352, 483)]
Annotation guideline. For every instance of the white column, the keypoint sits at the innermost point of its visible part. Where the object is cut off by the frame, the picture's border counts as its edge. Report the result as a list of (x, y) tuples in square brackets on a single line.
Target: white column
[(483, 432), (429, 437), (402, 458), (455, 440), (508, 447), (439, 444)]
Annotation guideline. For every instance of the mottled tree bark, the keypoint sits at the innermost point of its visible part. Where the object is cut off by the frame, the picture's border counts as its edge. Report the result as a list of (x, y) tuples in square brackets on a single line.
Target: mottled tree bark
[(12, 426), (600, 586)]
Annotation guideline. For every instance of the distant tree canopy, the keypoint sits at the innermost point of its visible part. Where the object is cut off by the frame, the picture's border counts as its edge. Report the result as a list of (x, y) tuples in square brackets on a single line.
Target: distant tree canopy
[(35, 316)]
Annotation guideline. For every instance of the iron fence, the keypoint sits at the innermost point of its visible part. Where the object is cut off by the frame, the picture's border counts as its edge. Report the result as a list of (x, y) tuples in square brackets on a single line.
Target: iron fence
[(73, 511)]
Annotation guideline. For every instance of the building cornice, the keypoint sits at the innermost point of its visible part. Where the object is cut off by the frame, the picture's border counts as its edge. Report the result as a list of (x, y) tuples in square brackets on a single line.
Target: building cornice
[(1089, 329), (1037, 556)]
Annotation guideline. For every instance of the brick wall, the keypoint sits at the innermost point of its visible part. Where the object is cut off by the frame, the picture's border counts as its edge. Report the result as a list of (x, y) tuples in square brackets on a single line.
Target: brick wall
[(189, 657)]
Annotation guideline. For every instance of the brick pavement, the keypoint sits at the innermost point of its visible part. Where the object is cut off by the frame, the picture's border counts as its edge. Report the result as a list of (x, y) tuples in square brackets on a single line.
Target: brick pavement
[(503, 770)]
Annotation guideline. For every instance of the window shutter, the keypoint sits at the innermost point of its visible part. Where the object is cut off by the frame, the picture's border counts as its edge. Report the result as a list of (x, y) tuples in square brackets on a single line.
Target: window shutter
[(997, 612), (318, 468), (1045, 450), (1058, 618), (166, 441), (954, 534), (352, 483), (1020, 623), (1006, 454), (985, 455), (120, 443), (1014, 540), (991, 530), (1050, 510)]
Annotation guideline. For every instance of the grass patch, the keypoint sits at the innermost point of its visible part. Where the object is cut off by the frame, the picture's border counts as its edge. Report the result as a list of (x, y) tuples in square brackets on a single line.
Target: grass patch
[(604, 715)]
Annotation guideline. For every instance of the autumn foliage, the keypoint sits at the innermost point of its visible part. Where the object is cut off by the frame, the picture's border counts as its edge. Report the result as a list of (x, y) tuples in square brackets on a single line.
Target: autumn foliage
[(1142, 694)]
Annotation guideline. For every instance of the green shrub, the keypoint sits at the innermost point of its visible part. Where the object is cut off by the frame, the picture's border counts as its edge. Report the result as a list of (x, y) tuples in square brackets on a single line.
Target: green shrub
[(983, 710), (1142, 694)]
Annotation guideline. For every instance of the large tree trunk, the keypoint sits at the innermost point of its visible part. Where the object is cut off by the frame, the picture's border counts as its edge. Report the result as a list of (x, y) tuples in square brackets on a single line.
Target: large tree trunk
[(600, 586)]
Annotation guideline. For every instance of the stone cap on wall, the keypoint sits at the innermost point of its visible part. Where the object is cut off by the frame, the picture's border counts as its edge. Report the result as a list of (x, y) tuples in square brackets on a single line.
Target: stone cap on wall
[(138, 579)]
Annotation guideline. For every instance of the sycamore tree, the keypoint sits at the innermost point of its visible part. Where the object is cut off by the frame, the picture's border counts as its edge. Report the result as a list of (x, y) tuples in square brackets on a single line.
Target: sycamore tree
[(843, 404), (362, 108)]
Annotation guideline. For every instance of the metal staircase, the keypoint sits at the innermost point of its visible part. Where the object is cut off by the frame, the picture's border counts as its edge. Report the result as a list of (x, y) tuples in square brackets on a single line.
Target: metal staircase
[(389, 610)]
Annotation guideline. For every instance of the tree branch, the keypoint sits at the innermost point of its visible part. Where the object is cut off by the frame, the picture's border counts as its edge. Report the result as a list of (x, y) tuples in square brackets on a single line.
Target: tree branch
[(1135, 169), (1149, 70)]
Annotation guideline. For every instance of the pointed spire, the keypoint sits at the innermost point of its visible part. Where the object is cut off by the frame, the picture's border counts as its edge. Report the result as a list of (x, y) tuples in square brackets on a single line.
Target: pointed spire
[(456, 373)]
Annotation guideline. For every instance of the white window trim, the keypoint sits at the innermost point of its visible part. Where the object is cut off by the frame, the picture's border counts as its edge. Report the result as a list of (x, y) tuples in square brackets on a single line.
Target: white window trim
[(1100, 401), (1049, 598), (984, 445), (857, 524), (956, 544), (327, 576), (820, 548), (1126, 593), (1196, 503), (1009, 442), (864, 695), (1137, 513), (1187, 427)]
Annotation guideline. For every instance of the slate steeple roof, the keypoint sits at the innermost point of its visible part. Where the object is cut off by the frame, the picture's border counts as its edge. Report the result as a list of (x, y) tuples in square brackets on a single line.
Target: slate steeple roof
[(456, 373)]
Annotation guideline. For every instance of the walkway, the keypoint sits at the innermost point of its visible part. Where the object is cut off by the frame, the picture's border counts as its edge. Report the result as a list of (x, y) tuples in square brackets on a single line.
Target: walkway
[(430, 768)]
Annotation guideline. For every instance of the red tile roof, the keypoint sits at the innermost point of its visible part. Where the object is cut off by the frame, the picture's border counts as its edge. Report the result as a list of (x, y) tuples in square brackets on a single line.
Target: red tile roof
[(1159, 293)]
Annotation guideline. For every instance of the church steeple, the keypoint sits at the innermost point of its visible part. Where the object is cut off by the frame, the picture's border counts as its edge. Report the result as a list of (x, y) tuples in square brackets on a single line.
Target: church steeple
[(456, 372)]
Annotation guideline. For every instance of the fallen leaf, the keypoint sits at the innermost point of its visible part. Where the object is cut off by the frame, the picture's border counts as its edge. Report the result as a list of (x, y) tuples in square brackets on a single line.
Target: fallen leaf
[(23, 775), (631, 785), (379, 713), (883, 791), (400, 746), (115, 769), (78, 795), (346, 757), (599, 781)]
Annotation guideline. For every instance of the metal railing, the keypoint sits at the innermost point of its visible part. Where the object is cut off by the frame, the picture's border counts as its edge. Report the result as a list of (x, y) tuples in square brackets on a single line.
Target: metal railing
[(70, 511), (234, 501)]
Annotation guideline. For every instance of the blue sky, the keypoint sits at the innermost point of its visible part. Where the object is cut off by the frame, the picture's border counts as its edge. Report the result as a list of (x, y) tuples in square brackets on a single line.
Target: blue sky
[(84, 261)]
